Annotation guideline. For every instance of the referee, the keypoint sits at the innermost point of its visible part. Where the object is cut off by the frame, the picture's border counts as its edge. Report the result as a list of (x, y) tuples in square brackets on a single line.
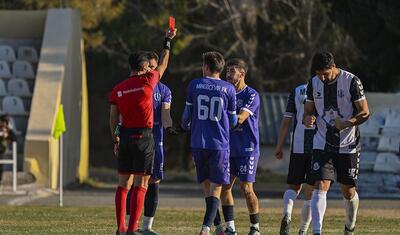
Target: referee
[(134, 147)]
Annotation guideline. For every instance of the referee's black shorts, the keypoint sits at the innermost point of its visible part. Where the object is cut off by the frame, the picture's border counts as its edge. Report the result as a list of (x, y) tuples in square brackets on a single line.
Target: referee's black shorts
[(136, 151), (300, 169)]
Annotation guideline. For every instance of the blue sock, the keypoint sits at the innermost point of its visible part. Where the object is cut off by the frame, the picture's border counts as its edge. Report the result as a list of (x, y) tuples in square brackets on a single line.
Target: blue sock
[(217, 220), (212, 205), (151, 200), (228, 213)]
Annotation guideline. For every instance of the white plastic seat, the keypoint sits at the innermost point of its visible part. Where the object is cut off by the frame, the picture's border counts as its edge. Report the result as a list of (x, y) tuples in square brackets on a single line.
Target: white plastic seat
[(371, 127), (3, 90), (7, 53), (4, 69), (19, 87), (389, 144), (27, 53), (13, 105), (387, 162), (23, 69)]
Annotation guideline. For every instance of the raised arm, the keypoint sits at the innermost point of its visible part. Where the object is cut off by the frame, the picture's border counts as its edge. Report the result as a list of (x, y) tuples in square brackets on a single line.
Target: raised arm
[(164, 58)]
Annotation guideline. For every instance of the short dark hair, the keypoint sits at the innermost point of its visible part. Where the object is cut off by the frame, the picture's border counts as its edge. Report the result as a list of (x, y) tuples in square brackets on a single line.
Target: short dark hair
[(152, 55), (322, 60), (137, 59), (5, 118), (214, 61), (238, 63)]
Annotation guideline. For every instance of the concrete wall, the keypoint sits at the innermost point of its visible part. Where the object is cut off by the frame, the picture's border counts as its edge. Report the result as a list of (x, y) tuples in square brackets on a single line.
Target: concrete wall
[(58, 80), (22, 24)]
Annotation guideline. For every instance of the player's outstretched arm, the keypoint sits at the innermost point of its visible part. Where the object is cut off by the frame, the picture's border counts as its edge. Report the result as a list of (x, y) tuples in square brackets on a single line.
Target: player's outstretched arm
[(163, 64), (285, 124)]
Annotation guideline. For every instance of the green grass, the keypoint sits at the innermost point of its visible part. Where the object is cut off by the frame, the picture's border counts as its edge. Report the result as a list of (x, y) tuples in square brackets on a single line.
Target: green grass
[(42, 220)]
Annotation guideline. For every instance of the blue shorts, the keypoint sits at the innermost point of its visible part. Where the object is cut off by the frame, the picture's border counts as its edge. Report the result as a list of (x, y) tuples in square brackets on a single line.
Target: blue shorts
[(212, 165), (244, 168), (158, 167)]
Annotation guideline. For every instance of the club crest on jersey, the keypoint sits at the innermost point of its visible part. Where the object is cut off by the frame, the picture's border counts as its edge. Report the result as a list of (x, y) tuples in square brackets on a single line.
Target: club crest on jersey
[(319, 95), (157, 96), (316, 166), (239, 103), (340, 93), (119, 93)]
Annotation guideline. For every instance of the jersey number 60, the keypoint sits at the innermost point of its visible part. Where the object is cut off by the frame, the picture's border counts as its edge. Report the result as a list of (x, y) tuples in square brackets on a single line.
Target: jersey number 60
[(209, 108)]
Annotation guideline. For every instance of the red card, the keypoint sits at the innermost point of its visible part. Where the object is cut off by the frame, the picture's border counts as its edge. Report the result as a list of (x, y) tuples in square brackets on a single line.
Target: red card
[(171, 22)]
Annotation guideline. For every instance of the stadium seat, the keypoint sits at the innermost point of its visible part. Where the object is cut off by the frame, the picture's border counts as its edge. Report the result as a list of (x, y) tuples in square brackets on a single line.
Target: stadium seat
[(27, 53), (23, 69), (367, 160), (392, 123), (372, 126), (4, 69), (3, 90), (389, 144), (19, 87), (387, 162), (12, 125), (7, 53), (13, 105)]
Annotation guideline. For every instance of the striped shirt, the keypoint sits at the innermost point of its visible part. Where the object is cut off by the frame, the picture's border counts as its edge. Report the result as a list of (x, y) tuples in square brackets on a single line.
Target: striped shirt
[(302, 138), (336, 99)]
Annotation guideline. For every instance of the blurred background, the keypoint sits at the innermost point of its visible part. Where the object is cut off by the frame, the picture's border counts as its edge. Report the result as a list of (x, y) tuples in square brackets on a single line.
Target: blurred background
[(277, 38)]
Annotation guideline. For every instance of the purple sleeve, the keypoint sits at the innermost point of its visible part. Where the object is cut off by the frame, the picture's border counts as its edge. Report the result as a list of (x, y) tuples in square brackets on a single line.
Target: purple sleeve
[(189, 95), (252, 103), (232, 101), (166, 95)]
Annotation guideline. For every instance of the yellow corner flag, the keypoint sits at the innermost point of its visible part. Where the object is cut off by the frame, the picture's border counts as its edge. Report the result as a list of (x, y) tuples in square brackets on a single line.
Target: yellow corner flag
[(59, 126)]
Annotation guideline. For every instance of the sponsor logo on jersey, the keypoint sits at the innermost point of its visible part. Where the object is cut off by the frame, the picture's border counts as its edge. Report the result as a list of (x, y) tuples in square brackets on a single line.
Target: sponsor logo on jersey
[(119, 93), (340, 93), (157, 96)]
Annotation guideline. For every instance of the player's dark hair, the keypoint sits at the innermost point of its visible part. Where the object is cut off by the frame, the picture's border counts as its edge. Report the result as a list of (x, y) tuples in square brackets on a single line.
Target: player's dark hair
[(4, 118), (214, 61), (137, 60), (239, 63), (322, 61), (152, 55)]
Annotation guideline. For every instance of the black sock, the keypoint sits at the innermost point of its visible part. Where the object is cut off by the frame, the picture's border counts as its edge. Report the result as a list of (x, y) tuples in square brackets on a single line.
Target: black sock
[(228, 213), (212, 205), (217, 220), (151, 200), (128, 201), (255, 218)]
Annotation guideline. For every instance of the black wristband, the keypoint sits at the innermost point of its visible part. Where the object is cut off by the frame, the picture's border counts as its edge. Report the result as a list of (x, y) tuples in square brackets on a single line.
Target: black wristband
[(167, 43)]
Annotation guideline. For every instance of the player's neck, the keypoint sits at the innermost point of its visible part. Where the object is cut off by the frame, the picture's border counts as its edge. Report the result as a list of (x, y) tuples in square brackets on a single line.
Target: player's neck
[(240, 86), (213, 75)]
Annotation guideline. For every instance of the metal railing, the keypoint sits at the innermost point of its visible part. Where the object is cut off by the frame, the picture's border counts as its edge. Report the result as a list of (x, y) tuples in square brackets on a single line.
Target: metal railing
[(13, 162)]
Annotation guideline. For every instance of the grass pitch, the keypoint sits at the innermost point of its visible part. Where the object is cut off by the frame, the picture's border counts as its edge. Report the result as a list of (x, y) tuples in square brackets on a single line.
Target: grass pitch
[(42, 220)]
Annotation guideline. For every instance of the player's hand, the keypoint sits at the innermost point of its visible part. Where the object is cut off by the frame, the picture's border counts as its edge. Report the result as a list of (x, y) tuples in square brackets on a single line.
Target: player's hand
[(278, 153), (340, 124), (172, 130), (171, 33), (309, 121)]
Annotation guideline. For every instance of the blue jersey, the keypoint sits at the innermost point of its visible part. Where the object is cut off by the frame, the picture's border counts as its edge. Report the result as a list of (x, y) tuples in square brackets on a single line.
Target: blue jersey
[(245, 139), (161, 95), (211, 100)]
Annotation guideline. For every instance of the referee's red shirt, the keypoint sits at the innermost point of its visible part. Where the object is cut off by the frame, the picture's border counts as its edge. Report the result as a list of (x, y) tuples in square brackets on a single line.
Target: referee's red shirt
[(134, 99)]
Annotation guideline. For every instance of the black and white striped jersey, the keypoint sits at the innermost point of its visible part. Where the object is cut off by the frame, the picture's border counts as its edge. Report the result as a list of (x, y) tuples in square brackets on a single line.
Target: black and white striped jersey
[(302, 138), (336, 99)]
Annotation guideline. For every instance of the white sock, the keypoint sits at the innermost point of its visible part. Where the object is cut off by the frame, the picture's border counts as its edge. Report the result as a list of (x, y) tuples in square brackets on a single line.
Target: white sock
[(288, 201), (205, 227), (351, 207), (305, 215), (318, 207), (257, 225), (147, 222), (231, 225)]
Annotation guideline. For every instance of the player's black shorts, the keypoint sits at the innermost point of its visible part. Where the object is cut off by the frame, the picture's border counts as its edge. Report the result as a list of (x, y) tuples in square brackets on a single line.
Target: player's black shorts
[(136, 151), (325, 164), (300, 169)]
